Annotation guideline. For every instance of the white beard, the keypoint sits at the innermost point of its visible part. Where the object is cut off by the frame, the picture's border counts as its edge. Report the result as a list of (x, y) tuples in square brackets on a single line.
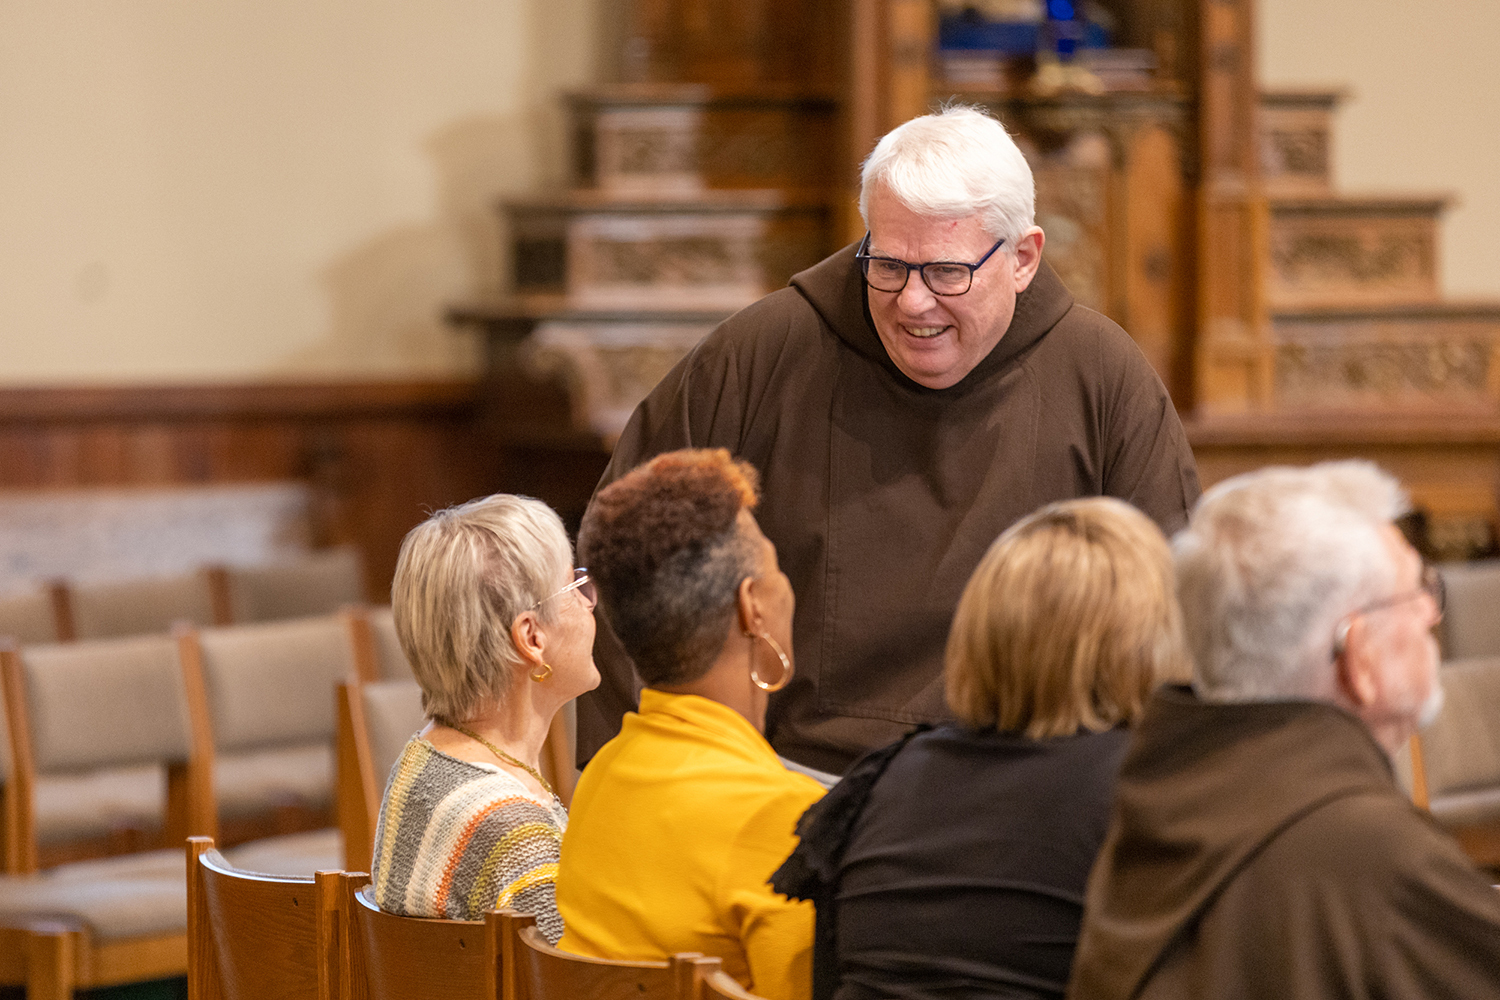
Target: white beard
[(1432, 707)]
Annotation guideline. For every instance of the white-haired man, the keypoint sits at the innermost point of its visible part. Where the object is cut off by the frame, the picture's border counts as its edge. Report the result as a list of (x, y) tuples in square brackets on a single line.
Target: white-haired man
[(1260, 846), (905, 401)]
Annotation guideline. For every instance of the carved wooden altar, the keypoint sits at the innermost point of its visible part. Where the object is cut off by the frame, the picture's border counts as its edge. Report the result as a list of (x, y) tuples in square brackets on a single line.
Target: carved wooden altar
[(1290, 322)]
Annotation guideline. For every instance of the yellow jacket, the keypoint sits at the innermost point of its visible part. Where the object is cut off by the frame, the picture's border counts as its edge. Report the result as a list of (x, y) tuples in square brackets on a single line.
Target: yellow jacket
[(674, 829)]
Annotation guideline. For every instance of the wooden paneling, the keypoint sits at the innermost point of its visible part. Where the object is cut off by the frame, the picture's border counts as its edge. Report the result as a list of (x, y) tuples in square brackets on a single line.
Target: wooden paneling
[(1450, 465), (378, 455)]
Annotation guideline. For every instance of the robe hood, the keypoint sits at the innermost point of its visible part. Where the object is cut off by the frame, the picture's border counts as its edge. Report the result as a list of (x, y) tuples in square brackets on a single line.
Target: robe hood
[(836, 290), (1202, 790)]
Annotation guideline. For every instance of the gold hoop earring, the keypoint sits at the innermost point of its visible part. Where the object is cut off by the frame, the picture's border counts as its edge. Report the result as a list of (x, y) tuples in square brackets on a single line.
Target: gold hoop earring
[(786, 664), (542, 674)]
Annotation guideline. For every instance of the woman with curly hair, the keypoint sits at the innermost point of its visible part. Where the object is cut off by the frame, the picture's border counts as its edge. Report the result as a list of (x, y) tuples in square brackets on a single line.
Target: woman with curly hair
[(678, 821)]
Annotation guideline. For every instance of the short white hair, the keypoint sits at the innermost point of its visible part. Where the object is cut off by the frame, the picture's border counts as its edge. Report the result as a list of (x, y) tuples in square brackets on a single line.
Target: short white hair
[(957, 163), (1269, 563), (463, 577)]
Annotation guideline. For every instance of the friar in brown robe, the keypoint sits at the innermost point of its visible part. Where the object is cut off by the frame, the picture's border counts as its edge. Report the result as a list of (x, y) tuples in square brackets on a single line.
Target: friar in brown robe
[(881, 492), (1260, 846)]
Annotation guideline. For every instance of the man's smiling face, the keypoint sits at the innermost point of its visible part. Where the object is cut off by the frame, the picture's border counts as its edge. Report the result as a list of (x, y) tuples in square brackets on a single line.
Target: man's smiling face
[(938, 339)]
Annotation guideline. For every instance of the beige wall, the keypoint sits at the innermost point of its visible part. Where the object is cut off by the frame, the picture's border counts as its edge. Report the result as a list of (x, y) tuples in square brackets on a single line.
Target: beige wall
[(1423, 113), (237, 190)]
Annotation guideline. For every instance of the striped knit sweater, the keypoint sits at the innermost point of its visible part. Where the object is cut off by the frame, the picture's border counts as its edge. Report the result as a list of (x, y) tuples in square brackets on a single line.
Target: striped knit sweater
[(456, 839)]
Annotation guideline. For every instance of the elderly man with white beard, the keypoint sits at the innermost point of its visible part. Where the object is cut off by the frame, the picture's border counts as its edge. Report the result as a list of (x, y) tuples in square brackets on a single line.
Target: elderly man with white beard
[(1260, 846)]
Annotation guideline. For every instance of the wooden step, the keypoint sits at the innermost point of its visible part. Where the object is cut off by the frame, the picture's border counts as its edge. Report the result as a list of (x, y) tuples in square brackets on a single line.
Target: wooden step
[(1432, 357), (714, 250), (1296, 128), (672, 139), (1333, 251)]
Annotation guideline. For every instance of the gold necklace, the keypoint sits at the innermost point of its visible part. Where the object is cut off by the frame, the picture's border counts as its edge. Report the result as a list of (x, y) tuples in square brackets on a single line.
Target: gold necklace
[(503, 755)]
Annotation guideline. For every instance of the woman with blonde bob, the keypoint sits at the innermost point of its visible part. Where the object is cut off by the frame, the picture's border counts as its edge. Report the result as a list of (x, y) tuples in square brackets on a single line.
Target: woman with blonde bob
[(953, 863), (499, 629)]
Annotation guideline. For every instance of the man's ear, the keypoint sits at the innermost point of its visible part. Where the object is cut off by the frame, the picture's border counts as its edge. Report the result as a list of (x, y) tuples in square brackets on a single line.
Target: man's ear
[(1028, 257), (1358, 673), (747, 606), (529, 638)]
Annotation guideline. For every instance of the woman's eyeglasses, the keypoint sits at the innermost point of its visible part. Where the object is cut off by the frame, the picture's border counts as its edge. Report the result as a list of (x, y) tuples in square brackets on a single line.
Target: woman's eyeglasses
[(581, 583)]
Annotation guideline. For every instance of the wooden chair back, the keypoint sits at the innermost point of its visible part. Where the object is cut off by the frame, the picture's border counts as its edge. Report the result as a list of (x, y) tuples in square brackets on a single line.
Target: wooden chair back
[(535, 970), (260, 937), (391, 957), (720, 985)]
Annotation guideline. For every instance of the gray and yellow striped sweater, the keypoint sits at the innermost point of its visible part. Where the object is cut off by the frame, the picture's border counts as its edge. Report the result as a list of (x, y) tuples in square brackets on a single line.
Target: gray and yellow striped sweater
[(457, 838)]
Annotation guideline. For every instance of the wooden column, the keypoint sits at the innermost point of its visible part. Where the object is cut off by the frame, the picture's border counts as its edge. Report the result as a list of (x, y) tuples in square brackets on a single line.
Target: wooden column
[(891, 49), (1233, 366)]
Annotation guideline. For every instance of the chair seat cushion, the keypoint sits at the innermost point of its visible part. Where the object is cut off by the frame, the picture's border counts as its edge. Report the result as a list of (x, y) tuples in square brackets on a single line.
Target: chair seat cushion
[(292, 854), (1474, 807), (75, 806), (256, 781), (165, 863), (113, 909)]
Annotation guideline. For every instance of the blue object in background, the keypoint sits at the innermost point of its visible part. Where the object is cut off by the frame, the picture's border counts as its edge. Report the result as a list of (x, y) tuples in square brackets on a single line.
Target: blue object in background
[(971, 31)]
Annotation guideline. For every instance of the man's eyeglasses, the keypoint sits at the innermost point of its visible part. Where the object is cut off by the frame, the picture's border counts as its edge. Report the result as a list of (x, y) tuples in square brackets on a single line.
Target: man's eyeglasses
[(942, 277), (1431, 585), (581, 583)]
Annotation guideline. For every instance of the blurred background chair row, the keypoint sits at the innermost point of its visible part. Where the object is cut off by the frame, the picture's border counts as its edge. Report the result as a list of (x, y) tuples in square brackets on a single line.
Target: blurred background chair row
[(265, 693), (317, 582), (221, 730)]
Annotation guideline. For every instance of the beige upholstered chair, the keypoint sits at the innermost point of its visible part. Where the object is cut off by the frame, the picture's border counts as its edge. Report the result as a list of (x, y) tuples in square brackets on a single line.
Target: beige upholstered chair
[(78, 709), (377, 651), (82, 706), (316, 583), (253, 936), (150, 605), (1459, 757), (1471, 626), (263, 699), (375, 722)]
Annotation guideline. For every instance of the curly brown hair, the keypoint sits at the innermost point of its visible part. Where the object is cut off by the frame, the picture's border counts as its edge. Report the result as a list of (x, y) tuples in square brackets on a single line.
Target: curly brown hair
[(664, 547)]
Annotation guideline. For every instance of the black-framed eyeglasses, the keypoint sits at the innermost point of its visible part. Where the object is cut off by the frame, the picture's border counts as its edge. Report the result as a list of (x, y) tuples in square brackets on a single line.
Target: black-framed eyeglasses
[(942, 277), (1431, 584), (581, 583)]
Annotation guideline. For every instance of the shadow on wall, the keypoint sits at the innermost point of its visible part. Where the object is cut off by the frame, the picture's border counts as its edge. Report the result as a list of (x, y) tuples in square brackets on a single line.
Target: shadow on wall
[(387, 296)]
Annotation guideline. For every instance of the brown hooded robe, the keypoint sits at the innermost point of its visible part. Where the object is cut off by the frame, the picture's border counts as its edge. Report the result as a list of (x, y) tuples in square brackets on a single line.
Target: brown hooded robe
[(1264, 851), (881, 495)]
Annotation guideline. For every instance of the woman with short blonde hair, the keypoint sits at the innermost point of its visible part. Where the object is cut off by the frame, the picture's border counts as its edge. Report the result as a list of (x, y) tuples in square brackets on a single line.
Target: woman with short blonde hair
[(499, 629), (962, 852), (1067, 623)]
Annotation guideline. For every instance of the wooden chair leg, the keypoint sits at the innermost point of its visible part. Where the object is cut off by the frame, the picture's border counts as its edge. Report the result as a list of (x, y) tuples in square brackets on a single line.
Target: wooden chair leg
[(52, 968)]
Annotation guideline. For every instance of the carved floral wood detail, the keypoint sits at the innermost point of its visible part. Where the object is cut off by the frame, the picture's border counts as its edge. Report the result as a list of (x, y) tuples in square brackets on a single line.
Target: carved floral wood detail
[(1421, 361)]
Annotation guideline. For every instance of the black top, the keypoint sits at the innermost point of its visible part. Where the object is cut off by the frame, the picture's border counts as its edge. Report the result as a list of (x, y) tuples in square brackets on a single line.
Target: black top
[(963, 874)]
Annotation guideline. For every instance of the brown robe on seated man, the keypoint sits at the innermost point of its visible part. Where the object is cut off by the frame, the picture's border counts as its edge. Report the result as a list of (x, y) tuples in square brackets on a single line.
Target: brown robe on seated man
[(1260, 846)]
